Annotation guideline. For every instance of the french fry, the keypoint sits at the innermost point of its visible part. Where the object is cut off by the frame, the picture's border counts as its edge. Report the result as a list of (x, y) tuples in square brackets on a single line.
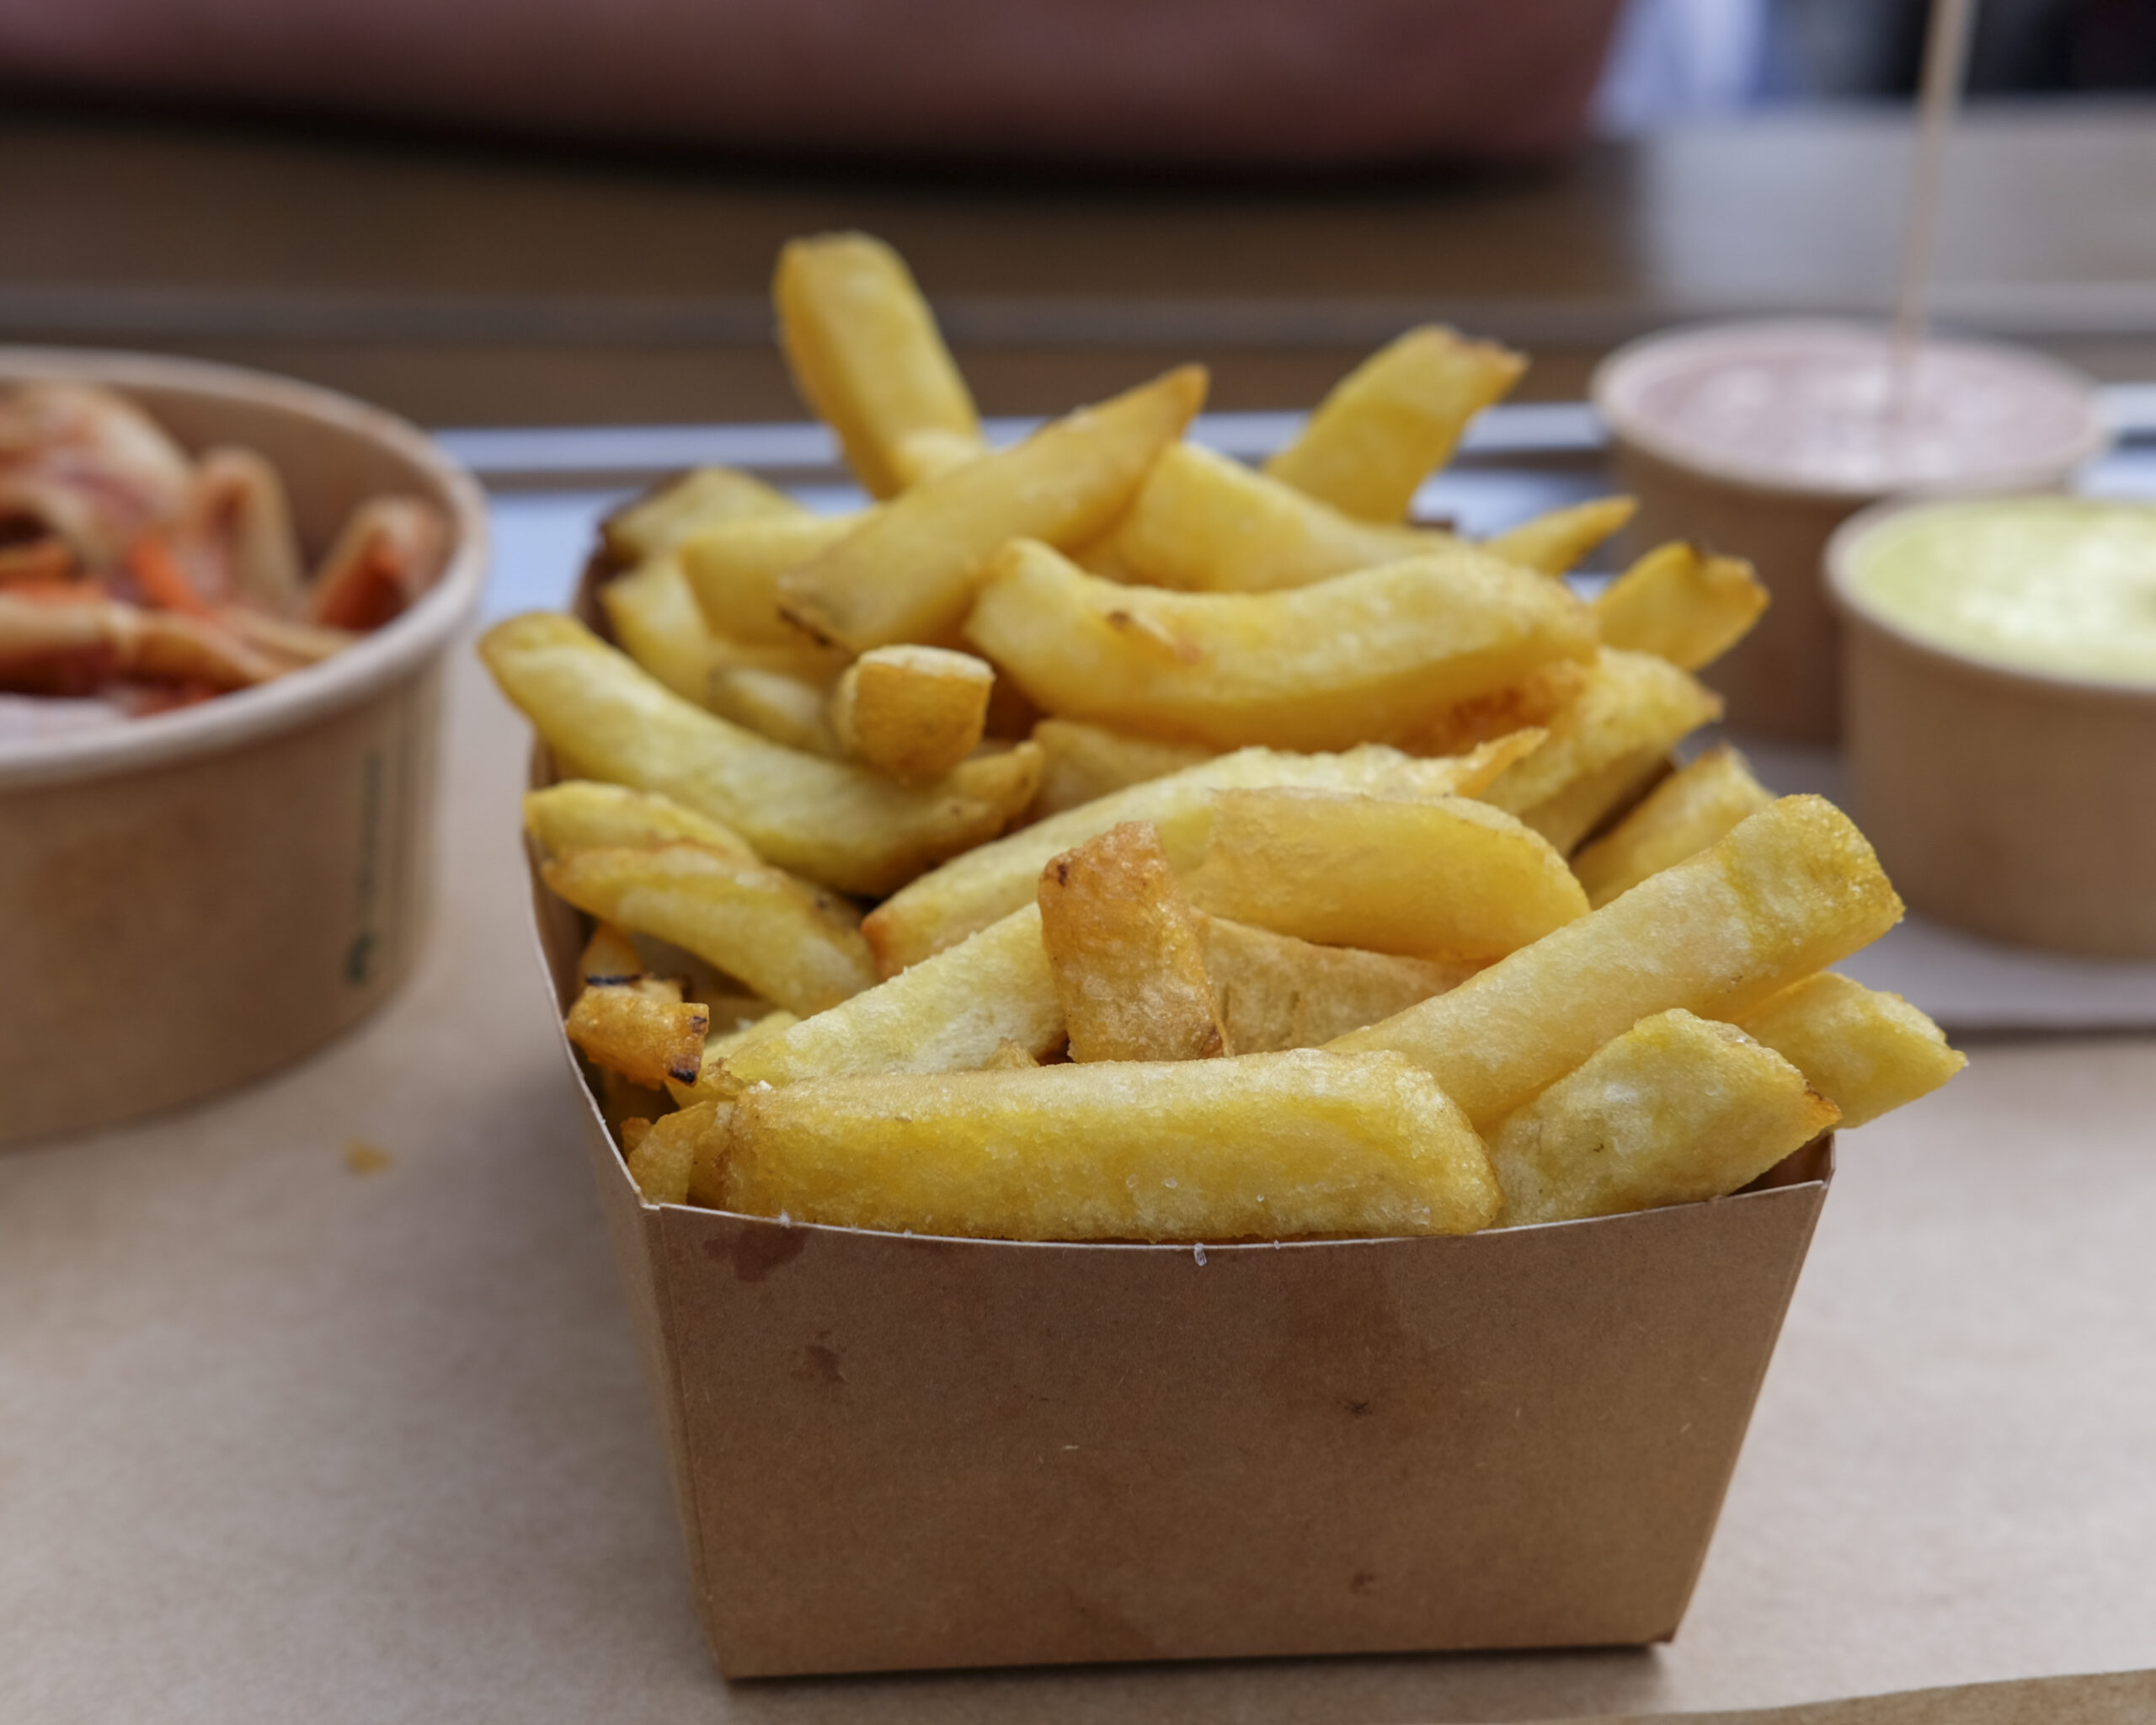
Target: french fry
[(1674, 1110), (948, 1013), (582, 815), (662, 1160), (1126, 952), (733, 569), (1866, 1051), (869, 360), (1554, 542), (909, 572), (1370, 655), (1264, 1147), (970, 892), (1393, 419), (1605, 746), (1680, 606), (839, 824), (1790, 891), (1451, 879), (1533, 702), (915, 712), (678, 508), (1081, 761), (789, 943), (1276, 992), (654, 617), (1008, 1057), (777, 705), (719, 1049), (646, 1041), (610, 956), (1206, 524), (1679, 818)]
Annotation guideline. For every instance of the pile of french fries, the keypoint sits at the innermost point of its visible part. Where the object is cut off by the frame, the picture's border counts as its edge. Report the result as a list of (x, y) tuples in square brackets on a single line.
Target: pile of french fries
[(1099, 839)]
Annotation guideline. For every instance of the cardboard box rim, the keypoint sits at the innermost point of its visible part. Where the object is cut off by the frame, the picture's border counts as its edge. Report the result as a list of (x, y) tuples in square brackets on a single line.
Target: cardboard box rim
[(745, 1325)]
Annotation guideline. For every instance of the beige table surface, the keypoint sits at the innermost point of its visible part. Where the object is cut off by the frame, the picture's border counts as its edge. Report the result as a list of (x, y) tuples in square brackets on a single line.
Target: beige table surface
[(283, 1439)]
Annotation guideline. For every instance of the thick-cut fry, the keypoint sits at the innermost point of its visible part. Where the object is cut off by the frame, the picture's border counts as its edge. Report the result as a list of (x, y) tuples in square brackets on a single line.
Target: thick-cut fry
[(1393, 419), (719, 1049), (1207, 524), (869, 360), (672, 511), (1264, 1147), (1533, 702), (733, 570), (972, 891), (1679, 818), (1370, 655), (1554, 542), (1276, 991), (909, 572), (1081, 761), (1449, 879), (842, 826), (1128, 952), (654, 617), (1675, 1110), (1607, 744), (610, 956), (946, 1014), (663, 1158), (1680, 606), (1788, 892), (1867, 1051), (582, 815), (912, 711), (789, 943), (776, 704), (647, 1040)]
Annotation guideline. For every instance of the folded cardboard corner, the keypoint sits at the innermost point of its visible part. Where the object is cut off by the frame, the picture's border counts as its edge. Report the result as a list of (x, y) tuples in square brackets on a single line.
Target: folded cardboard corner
[(895, 1452)]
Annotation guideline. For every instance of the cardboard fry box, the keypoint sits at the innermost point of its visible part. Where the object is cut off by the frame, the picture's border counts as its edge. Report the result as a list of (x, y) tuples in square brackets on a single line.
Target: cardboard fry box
[(893, 1451)]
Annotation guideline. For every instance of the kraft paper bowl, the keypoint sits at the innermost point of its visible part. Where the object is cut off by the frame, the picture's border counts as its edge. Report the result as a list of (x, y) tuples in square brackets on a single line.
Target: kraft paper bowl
[(2012, 804), (192, 900), (1782, 679)]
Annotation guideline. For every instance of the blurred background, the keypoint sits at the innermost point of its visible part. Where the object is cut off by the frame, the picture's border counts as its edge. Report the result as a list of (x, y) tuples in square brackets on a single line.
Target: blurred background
[(499, 214)]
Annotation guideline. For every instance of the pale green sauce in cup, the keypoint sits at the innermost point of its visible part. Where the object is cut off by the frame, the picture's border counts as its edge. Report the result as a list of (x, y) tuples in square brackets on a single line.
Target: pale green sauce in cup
[(2060, 585)]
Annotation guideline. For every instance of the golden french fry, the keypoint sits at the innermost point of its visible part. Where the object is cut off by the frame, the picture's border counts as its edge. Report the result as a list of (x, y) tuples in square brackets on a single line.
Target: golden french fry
[(948, 1013), (972, 891), (582, 815), (646, 1041), (841, 824), (868, 359), (663, 1160), (654, 617), (1447, 879), (1790, 891), (1207, 524), (1681, 606), (775, 704), (1267, 1147), (1008, 1057), (673, 509), (1393, 419), (1276, 991), (1679, 818), (1126, 952), (909, 572), (1605, 746), (912, 711), (1533, 702), (1675, 1110), (733, 570), (719, 1049), (1866, 1051), (1370, 655), (1554, 542), (789, 943), (1081, 761), (610, 956)]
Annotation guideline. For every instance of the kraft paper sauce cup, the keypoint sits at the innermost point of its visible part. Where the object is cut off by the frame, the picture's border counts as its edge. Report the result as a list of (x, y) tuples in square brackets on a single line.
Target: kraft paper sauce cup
[(1760, 438), (2006, 798), (191, 900)]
